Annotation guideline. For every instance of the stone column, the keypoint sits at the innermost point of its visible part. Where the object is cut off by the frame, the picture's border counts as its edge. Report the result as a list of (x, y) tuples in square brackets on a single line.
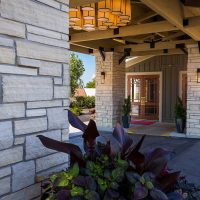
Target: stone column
[(193, 93), (34, 92), (110, 94)]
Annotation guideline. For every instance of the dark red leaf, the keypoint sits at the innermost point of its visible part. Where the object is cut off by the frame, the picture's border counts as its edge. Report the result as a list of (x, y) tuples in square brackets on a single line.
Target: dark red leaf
[(64, 195), (85, 181), (135, 156), (174, 196), (76, 122), (140, 192), (126, 143), (104, 148), (113, 194), (91, 131), (168, 181), (157, 167), (156, 154), (158, 194), (119, 133), (92, 195), (74, 151)]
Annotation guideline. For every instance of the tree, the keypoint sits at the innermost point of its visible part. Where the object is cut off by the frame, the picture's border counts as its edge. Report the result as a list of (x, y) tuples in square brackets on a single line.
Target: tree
[(76, 71), (91, 84)]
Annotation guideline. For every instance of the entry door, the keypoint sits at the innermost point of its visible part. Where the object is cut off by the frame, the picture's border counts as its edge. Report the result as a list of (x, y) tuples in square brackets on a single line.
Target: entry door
[(144, 93)]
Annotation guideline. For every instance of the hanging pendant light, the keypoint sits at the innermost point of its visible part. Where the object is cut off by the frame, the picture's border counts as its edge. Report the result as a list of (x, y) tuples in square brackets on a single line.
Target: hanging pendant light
[(110, 20), (74, 9), (88, 15), (115, 21), (78, 24), (103, 16), (116, 7), (75, 15), (126, 11), (89, 23), (102, 26), (104, 6), (88, 7)]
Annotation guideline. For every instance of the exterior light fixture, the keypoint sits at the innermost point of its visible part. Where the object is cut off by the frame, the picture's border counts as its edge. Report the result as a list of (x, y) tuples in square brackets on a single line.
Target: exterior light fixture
[(106, 14), (103, 77), (116, 7), (198, 75)]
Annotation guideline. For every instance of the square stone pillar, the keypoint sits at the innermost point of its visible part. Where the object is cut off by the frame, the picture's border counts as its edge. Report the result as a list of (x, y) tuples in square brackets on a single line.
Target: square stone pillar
[(193, 92), (110, 93), (34, 93)]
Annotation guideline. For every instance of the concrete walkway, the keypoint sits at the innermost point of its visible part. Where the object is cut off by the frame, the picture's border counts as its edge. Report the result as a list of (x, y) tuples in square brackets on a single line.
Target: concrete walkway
[(187, 152)]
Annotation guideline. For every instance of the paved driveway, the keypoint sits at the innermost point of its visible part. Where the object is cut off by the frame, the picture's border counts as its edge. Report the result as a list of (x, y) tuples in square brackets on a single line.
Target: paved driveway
[(187, 152)]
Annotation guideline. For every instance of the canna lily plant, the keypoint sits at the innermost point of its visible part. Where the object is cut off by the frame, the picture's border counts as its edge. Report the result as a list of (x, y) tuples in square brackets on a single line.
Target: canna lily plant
[(104, 173)]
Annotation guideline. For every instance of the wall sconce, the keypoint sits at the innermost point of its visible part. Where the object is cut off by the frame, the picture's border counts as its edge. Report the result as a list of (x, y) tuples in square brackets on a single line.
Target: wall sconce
[(198, 75), (103, 76)]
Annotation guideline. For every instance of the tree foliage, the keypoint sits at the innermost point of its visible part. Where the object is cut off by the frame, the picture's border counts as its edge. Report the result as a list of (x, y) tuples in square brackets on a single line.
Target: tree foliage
[(91, 84), (76, 71)]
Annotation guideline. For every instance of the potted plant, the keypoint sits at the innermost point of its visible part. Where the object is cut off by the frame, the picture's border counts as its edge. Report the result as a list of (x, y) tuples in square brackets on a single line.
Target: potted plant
[(106, 172), (180, 116), (126, 112)]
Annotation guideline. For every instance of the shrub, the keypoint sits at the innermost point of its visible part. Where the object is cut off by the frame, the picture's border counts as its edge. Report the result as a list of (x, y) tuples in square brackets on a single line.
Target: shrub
[(85, 102), (108, 173), (76, 110)]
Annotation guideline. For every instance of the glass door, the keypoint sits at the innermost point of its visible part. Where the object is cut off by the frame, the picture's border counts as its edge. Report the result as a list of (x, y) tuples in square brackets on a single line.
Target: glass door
[(144, 93)]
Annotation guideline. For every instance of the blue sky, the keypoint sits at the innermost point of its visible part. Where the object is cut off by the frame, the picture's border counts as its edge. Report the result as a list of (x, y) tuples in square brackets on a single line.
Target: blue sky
[(89, 65)]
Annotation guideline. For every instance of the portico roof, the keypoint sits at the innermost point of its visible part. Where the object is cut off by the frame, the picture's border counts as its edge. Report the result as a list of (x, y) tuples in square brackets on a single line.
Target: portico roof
[(157, 27)]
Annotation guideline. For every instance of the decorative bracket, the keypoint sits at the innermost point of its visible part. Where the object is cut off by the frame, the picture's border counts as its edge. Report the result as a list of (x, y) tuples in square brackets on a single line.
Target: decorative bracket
[(90, 51), (127, 52), (165, 51), (102, 53), (182, 47), (116, 31)]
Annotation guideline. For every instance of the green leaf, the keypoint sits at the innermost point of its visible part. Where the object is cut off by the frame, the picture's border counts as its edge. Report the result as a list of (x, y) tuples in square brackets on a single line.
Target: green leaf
[(118, 174), (74, 171), (102, 184), (61, 181), (122, 163), (53, 177), (77, 191), (90, 165), (142, 180), (149, 185)]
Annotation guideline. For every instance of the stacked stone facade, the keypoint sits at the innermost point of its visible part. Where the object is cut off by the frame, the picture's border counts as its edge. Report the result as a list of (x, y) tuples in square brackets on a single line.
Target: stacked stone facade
[(110, 94), (34, 92), (193, 93)]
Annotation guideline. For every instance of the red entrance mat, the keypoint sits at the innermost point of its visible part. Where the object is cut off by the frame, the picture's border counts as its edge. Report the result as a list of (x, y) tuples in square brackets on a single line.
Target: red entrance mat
[(143, 122)]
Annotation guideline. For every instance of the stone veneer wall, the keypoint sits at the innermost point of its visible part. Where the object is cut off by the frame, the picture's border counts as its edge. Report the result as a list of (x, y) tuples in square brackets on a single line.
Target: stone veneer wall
[(110, 95), (34, 90), (193, 93)]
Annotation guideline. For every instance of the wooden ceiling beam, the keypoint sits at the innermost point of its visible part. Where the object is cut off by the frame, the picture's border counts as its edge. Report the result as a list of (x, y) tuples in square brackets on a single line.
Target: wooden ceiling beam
[(174, 35), (172, 10), (144, 17), (126, 31), (74, 3), (79, 49), (191, 3), (157, 52), (158, 46)]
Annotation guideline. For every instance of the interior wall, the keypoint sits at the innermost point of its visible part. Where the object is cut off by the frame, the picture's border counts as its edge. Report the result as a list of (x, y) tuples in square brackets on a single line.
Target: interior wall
[(170, 66), (34, 91)]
